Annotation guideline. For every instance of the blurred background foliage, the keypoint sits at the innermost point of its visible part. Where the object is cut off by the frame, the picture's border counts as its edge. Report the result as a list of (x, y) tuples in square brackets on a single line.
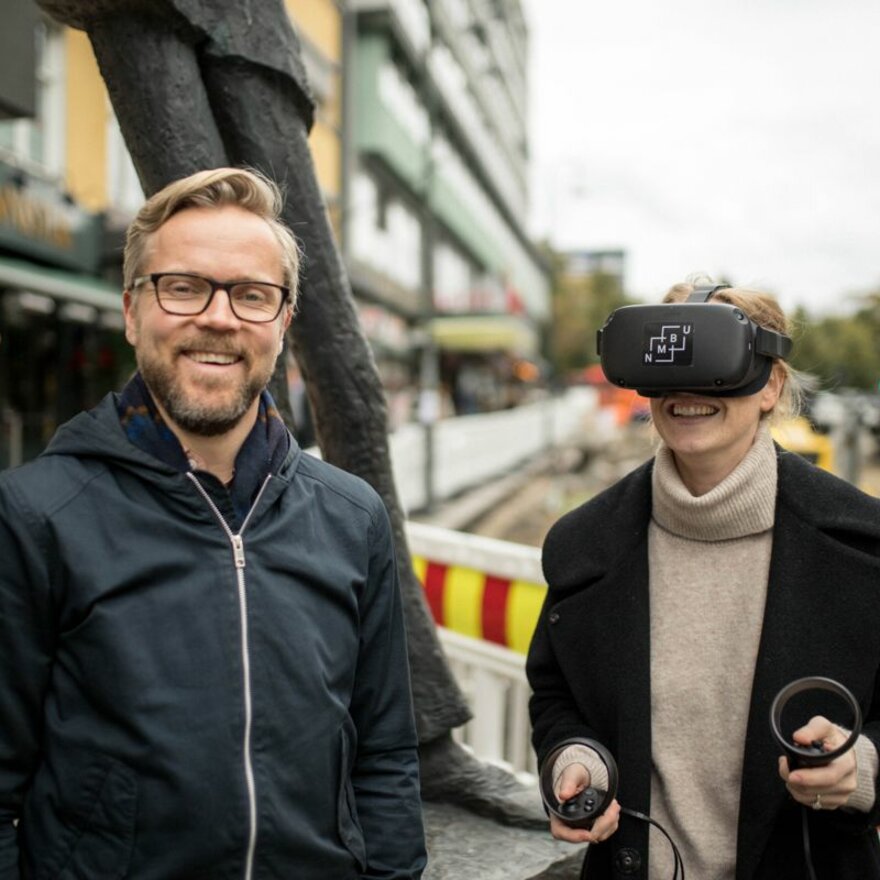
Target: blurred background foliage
[(841, 351)]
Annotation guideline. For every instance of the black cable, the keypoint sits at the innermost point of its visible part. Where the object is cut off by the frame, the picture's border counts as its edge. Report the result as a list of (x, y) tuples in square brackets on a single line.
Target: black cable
[(678, 862), (808, 856)]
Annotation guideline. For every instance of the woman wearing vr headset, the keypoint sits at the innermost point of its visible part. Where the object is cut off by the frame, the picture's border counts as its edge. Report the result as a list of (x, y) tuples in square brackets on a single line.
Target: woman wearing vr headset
[(682, 599)]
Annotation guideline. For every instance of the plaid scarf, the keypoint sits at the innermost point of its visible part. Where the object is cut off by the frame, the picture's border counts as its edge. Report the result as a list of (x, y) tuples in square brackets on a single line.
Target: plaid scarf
[(261, 454)]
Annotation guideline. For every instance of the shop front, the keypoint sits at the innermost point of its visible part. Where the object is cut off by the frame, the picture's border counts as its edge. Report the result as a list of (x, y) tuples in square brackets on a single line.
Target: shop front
[(487, 362), (61, 341)]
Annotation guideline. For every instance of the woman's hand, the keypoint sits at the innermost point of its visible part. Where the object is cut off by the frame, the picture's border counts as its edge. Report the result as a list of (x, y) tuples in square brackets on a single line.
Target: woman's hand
[(574, 779), (822, 788)]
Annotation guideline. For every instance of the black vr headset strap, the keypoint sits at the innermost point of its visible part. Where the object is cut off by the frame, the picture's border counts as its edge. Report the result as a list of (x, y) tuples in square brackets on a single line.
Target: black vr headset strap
[(772, 344), (703, 292)]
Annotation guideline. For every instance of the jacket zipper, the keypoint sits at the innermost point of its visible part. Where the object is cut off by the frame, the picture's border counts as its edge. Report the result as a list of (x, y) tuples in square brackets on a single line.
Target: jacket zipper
[(238, 557)]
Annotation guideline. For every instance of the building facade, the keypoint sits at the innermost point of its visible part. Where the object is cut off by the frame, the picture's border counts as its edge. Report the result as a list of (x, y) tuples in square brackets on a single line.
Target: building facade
[(61, 343), (420, 149), (435, 164), (68, 190)]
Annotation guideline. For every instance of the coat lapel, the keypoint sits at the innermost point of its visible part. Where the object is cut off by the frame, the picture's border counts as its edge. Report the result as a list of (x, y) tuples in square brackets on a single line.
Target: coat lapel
[(602, 633), (781, 658), (811, 617)]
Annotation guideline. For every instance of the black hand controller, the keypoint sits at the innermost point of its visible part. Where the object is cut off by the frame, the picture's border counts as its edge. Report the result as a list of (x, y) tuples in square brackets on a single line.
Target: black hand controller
[(814, 754), (585, 807)]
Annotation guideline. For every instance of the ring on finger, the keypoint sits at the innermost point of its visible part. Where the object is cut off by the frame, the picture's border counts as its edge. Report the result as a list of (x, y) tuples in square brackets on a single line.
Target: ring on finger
[(817, 803)]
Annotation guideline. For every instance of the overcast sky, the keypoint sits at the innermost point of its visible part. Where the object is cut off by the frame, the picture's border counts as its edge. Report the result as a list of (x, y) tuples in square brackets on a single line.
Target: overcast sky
[(732, 138)]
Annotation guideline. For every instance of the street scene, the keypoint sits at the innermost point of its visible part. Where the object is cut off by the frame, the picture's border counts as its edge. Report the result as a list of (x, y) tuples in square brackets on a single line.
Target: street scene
[(414, 414)]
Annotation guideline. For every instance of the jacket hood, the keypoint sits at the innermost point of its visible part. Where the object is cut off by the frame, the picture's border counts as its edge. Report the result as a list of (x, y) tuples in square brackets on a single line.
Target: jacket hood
[(98, 433)]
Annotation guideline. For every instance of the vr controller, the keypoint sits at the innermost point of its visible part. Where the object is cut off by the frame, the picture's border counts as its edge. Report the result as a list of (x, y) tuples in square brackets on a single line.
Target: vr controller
[(583, 809), (695, 346), (813, 755)]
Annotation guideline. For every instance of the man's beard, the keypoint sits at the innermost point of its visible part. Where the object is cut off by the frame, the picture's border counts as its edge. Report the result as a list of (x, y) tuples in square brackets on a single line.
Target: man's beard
[(194, 414)]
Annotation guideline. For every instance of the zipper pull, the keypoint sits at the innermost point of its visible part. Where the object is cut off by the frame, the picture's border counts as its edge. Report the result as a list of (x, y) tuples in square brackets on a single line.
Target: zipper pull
[(238, 551)]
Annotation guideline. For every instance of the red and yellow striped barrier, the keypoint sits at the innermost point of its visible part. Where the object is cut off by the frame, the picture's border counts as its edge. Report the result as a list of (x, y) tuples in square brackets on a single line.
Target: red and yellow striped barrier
[(481, 605)]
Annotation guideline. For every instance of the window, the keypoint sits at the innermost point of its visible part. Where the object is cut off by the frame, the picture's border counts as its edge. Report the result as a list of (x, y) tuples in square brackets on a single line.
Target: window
[(386, 234), (38, 143)]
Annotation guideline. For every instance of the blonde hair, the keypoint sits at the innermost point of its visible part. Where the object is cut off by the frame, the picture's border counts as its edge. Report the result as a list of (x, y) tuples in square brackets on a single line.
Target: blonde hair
[(216, 188), (765, 311)]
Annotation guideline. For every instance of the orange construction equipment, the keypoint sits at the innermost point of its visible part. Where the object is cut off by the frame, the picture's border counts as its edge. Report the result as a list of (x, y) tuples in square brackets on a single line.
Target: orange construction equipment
[(626, 404)]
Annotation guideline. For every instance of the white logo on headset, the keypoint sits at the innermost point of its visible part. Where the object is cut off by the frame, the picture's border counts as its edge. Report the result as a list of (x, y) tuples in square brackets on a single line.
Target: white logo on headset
[(670, 345)]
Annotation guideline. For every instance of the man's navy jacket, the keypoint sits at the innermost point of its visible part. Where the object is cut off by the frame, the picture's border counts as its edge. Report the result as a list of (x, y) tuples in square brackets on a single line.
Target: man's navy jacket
[(182, 701)]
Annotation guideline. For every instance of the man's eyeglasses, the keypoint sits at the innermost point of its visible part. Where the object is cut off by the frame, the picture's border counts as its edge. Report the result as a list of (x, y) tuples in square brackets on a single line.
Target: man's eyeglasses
[(179, 293)]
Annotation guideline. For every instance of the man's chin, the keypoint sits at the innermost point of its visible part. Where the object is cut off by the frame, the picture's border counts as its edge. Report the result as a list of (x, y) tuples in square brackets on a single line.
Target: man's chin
[(207, 426), (204, 420), (198, 409)]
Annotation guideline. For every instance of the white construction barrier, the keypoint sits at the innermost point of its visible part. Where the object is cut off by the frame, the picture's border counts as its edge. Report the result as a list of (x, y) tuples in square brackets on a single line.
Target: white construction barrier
[(469, 450), (485, 596)]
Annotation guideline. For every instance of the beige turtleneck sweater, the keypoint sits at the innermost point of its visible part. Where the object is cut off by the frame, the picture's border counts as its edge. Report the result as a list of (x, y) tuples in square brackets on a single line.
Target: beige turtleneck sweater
[(709, 559)]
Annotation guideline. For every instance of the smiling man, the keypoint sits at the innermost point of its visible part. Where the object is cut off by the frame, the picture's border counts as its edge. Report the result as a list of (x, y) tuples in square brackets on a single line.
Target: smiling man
[(204, 669)]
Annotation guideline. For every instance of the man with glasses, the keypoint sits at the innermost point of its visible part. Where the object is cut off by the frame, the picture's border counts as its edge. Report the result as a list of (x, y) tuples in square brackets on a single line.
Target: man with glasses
[(203, 670)]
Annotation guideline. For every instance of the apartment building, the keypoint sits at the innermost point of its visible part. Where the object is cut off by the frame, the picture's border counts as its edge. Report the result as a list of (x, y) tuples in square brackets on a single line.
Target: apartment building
[(435, 165)]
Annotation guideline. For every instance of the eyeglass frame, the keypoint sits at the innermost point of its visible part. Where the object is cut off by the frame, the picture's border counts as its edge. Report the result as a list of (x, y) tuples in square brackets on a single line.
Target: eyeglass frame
[(153, 278)]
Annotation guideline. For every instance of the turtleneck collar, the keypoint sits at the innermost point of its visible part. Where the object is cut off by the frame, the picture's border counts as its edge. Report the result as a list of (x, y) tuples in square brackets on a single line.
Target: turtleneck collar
[(744, 503)]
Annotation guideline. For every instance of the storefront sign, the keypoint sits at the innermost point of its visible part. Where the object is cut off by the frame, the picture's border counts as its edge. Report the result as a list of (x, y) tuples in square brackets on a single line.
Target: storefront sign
[(37, 220)]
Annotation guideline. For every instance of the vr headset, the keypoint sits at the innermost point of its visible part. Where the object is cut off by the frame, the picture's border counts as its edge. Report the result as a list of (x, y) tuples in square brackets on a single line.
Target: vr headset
[(696, 346)]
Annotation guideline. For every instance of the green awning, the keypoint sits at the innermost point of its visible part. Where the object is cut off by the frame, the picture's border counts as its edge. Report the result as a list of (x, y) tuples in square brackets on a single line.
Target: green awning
[(61, 285), (471, 333)]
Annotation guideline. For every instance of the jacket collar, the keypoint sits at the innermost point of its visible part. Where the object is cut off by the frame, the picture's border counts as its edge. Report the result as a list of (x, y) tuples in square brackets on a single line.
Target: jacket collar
[(98, 435), (591, 541)]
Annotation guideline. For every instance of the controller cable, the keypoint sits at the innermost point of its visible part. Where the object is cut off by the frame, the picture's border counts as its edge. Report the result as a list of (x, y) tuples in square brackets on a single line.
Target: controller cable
[(813, 755), (678, 862)]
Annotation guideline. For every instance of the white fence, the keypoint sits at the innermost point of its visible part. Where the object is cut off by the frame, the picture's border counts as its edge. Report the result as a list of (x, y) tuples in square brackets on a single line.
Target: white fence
[(493, 680), (490, 555), (492, 677), (468, 450)]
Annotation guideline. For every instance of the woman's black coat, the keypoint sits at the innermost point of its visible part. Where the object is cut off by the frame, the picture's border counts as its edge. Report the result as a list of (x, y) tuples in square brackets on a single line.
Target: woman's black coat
[(589, 662)]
